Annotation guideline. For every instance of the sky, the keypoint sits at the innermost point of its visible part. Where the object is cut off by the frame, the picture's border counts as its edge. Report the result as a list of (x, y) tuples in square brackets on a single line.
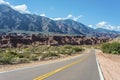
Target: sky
[(93, 13)]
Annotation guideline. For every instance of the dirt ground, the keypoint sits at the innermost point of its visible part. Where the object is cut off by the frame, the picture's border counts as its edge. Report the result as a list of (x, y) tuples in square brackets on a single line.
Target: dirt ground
[(110, 65)]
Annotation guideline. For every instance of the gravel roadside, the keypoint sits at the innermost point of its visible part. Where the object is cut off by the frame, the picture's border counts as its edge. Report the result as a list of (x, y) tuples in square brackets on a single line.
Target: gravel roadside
[(110, 65)]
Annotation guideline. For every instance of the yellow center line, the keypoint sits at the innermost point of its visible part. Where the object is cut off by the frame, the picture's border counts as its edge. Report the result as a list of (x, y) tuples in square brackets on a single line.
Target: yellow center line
[(59, 69)]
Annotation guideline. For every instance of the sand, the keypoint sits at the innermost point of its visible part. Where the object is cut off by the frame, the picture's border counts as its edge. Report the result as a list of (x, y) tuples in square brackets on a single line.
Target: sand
[(110, 65)]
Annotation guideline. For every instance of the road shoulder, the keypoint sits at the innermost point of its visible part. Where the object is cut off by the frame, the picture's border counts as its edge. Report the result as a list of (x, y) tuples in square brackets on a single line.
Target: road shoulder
[(110, 65)]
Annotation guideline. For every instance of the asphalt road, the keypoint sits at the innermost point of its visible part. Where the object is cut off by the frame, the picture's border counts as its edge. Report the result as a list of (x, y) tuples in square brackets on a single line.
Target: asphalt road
[(83, 67)]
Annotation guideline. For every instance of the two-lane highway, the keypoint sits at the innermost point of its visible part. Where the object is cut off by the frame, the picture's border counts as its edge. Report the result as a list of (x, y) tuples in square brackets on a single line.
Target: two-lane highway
[(83, 67)]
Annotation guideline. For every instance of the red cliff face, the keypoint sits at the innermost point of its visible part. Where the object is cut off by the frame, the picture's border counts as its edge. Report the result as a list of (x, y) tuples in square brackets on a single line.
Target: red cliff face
[(14, 41)]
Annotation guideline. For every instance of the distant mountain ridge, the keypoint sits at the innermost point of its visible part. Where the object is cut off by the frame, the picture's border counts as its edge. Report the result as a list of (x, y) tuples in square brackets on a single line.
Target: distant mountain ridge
[(13, 20)]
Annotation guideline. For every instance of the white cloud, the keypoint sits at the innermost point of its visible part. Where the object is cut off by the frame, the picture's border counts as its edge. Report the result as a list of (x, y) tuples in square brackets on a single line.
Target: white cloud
[(4, 2), (90, 25), (105, 25), (76, 18), (69, 16), (42, 15), (21, 8), (101, 24), (58, 18), (118, 27)]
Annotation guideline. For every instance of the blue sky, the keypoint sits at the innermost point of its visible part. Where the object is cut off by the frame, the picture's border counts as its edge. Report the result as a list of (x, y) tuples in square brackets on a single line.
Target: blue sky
[(94, 13)]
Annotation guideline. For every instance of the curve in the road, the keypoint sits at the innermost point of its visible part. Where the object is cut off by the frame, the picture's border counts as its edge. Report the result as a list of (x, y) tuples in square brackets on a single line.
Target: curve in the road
[(60, 69)]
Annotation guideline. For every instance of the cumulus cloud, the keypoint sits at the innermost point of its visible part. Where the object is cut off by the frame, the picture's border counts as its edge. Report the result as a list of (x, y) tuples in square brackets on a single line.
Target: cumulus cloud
[(42, 15), (111, 27), (105, 25), (90, 25), (69, 16), (101, 24), (4, 2), (21, 8), (58, 18), (76, 18)]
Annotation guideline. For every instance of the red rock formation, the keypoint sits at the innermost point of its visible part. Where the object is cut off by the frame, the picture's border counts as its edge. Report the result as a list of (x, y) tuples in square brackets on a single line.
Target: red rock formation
[(13, 41)]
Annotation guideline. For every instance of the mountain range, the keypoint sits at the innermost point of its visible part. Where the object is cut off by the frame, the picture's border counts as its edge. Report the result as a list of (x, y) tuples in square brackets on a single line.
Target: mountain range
[(12, 20)]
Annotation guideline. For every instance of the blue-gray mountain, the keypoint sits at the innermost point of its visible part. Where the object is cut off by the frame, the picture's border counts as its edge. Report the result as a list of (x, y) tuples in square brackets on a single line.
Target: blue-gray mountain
[(12, 20)]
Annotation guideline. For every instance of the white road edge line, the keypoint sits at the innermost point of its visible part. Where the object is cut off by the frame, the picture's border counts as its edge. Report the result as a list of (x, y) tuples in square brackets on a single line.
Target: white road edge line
[(38, 65), (99, 69)]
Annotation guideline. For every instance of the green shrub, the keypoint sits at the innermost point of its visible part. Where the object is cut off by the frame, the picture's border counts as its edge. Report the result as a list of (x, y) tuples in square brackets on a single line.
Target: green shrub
[(15, 60), (24, 60), (67, 47), (6, 58), (48, 55), (25, 55), (77, 49), (112, 48), (34, 57), (69, 50)]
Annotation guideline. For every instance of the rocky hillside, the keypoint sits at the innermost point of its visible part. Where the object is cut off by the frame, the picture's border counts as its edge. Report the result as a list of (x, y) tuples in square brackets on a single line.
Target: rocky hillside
[(11, 20), (20, 41)]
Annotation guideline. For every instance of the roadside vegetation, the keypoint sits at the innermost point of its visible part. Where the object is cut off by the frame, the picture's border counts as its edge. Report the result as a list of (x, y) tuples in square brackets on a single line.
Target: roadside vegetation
[(36, 53), (111, 48)]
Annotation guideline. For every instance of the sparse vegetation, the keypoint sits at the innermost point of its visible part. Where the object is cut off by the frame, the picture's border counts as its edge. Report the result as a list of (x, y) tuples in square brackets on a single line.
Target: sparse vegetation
[(35, 53), (112, 48)]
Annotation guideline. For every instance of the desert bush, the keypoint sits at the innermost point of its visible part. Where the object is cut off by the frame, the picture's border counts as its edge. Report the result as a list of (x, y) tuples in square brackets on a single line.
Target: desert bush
[(77, 49), (33, 57), (68, 47), (24, 55), (112, 48), (6, 58), (49, 55), (24, 60), (15, 60), (66, 52)]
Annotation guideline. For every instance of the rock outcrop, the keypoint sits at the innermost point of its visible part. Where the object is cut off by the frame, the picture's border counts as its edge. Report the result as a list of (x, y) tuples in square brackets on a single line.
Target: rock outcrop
[(16, 41)]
